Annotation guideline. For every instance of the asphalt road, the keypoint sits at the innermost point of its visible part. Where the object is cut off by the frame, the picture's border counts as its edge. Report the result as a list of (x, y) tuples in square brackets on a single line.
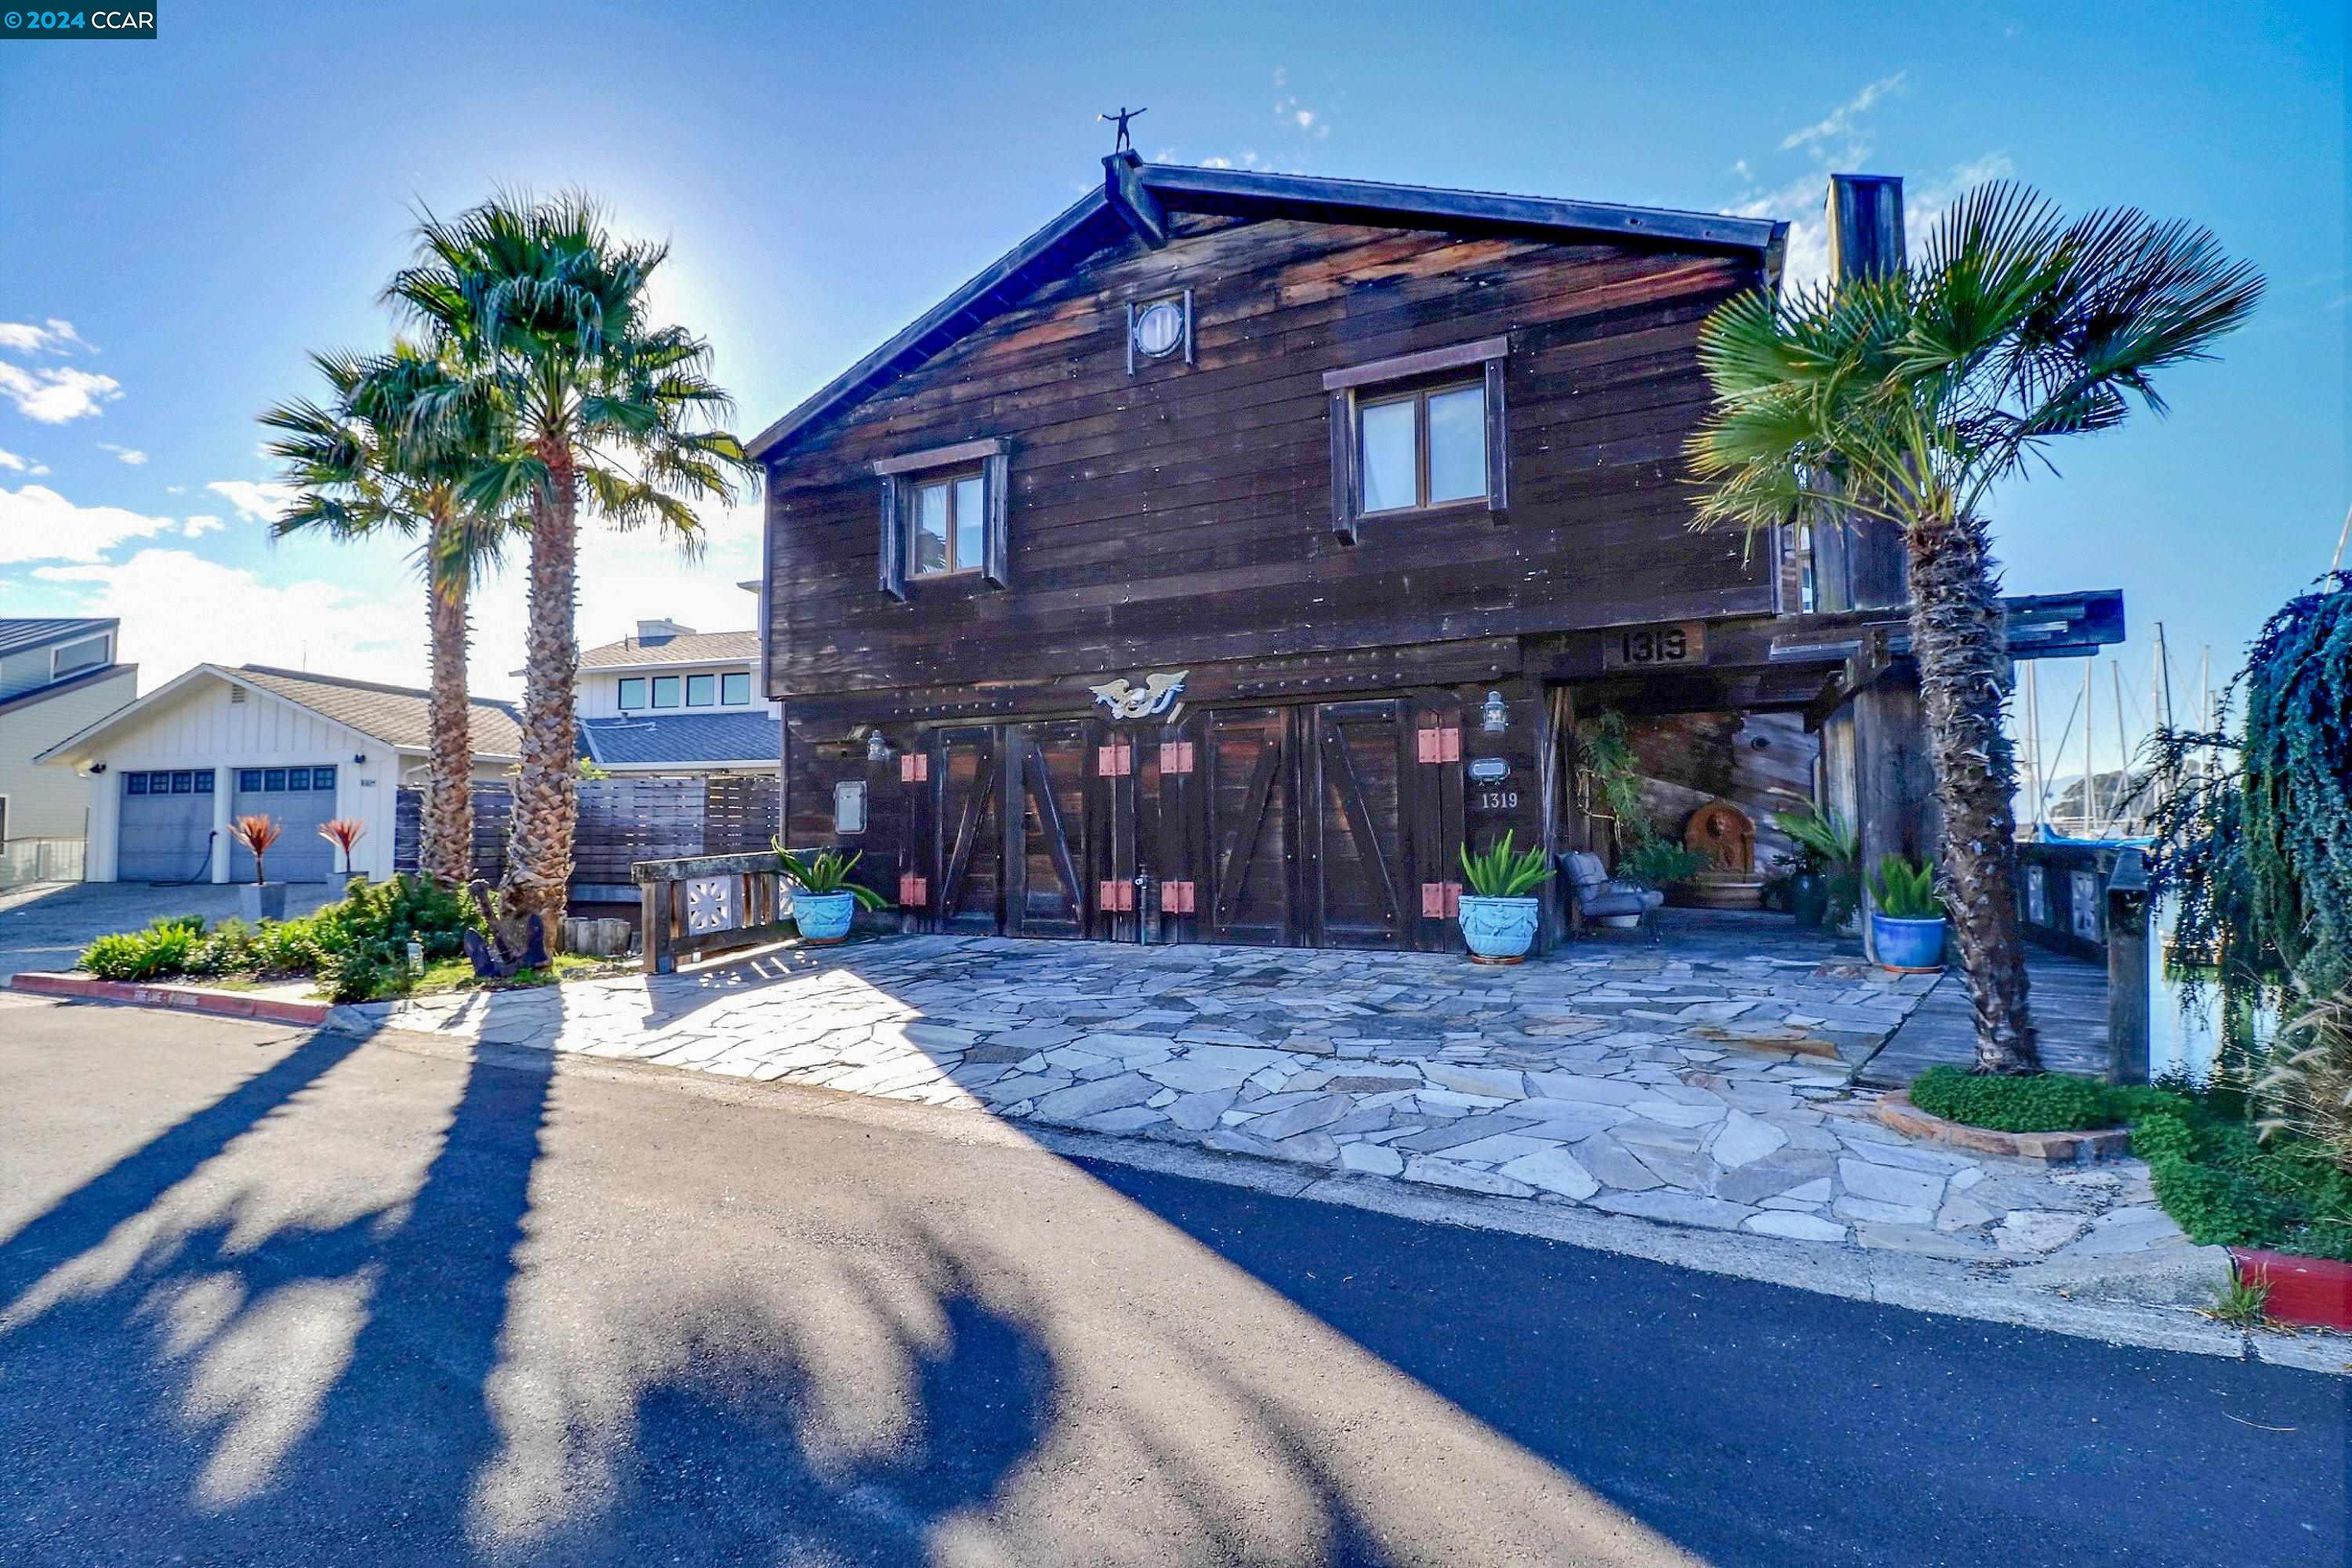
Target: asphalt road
[(272, 1298)]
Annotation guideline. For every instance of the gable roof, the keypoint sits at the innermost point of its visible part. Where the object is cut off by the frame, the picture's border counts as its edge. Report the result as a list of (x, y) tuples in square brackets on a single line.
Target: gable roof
[(1135, 195), (686, 648), (693, 739), (20, 633), (399, 716), (396, 715)]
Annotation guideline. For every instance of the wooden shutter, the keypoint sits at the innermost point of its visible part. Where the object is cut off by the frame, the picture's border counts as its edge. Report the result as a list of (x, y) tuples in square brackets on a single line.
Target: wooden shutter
[(996, 555), (1343, 465), (894, 542), (1498, 446)]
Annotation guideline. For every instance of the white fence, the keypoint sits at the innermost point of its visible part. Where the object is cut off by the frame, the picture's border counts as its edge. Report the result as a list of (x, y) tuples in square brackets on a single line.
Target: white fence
[(23, 860)]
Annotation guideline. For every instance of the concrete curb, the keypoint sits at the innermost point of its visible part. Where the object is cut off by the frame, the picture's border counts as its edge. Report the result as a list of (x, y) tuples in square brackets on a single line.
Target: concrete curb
[(179, 998), (2050, 1148)]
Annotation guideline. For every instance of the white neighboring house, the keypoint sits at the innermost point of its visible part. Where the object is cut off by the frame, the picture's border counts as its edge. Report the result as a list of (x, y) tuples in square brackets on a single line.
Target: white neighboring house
[(56, 676), (672, 701), (166, 774)]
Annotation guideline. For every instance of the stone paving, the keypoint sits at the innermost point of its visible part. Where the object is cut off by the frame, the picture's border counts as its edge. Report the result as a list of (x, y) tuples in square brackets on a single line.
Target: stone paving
[(1703, 1083)]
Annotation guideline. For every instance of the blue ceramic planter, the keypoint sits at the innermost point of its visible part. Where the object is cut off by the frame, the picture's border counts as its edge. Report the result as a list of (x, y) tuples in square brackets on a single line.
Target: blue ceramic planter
[(823, 917), (1908, 944), (1498, 930)]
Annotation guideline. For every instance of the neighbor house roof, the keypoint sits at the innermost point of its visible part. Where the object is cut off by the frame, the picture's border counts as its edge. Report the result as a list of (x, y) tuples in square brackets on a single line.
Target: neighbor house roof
[(687, 648), (681, 740), (399, 716), (19, 634), (1136, 196), (396, 715)]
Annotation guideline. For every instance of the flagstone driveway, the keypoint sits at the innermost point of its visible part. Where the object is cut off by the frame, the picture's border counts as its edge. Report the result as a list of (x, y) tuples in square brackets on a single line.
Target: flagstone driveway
[(1703, 1083)]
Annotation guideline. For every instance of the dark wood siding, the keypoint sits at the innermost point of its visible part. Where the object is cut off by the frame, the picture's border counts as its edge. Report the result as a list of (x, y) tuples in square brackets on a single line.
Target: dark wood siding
[(1183, 514)]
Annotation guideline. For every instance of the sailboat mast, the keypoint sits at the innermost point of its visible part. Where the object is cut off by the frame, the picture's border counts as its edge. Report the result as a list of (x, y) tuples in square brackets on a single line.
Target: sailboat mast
[(2121, 798), (2090, 670), (2032, 748)]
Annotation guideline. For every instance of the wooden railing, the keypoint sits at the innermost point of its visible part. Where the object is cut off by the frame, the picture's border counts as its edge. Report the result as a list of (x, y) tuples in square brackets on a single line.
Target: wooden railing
[(2092, 900), (706, 904)]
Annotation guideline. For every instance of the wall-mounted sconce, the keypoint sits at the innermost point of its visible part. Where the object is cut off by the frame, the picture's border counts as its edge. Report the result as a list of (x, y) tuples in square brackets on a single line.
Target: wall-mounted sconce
[(359, 759), (96, 769), (878, 749), (1494, 717)]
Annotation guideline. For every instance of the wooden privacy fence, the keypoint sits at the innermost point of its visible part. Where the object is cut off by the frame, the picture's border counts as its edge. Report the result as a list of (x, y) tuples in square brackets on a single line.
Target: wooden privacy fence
[(2091, 900), (621, 822)]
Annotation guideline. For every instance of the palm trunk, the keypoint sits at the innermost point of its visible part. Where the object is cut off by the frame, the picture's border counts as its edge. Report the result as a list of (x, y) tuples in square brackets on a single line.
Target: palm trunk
[(1958, 635), (447, 851), (546, 797)]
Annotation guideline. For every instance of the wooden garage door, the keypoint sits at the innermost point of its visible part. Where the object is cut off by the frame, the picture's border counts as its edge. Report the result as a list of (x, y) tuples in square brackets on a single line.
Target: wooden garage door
[(1245, 789), (967, 848), (1361, 774), (1046, 824)]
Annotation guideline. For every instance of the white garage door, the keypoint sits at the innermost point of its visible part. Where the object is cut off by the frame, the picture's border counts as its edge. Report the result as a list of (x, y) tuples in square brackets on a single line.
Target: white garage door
[(166, 827), (299, 799)]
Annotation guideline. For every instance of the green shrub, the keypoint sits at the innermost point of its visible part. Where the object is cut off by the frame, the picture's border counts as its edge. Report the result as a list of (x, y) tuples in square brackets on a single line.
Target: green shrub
[(2041, 1102), (164, 948)]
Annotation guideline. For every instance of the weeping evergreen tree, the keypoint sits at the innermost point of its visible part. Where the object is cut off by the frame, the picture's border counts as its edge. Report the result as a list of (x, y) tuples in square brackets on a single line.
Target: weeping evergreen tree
[(1903, 400)]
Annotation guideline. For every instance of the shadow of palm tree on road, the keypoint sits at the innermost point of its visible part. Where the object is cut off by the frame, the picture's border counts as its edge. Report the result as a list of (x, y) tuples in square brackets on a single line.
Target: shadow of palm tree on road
[(163, 1378)]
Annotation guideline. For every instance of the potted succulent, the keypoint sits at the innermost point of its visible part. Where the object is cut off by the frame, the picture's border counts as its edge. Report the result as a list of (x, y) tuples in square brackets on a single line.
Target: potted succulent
[(1498, 913), (824, 900), (1823, 890), (1907, 927), (261, 900), (344, 832)]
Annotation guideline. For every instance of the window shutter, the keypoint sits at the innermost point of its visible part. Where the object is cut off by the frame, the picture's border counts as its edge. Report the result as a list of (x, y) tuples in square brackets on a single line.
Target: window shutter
[(1498, 446), (996, 555), (1343, 466), (894, 542)]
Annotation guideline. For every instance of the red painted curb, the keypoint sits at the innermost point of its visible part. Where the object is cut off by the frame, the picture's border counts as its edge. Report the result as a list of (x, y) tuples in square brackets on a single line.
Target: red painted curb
[(225, 1003), (2316, 1292)]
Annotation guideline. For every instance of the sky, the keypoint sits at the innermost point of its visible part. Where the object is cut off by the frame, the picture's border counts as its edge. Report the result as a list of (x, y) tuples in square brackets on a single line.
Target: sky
[(181, 221)]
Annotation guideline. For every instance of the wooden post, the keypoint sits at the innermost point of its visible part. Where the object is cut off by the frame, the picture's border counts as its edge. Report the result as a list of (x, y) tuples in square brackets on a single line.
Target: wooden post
[(652, 927), (2127, 969)]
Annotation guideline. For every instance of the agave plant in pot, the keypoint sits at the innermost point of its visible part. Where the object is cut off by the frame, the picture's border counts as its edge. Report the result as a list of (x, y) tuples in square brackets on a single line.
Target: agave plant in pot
[(1907, 927), (1825, 888), (1498, 913), (824, 899)]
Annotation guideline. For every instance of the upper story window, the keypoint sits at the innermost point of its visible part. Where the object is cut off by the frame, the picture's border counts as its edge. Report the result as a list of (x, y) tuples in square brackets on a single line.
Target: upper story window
[(89, 653), (734, 689), (701, 690), (949, 517), (943, 514), (1418, 433), (666, 691), (632, 692)]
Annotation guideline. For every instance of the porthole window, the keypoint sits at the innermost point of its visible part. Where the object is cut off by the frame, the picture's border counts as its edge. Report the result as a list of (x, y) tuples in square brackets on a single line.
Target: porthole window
[(1160, 330)]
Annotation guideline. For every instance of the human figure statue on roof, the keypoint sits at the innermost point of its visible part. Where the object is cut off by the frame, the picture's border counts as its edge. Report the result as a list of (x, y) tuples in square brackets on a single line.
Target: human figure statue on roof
[(1125, 114)]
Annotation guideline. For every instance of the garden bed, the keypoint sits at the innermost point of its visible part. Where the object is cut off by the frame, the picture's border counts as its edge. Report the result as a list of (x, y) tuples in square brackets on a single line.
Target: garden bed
[(2220, 1182)]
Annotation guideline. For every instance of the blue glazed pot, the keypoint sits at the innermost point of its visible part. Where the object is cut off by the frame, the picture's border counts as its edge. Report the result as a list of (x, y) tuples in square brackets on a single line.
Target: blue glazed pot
[(823, 917), (1908, 944), (1498, 929)]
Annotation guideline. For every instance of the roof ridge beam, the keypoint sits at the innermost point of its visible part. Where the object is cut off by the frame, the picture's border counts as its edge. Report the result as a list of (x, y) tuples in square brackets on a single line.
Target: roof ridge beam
[(1132, 200)]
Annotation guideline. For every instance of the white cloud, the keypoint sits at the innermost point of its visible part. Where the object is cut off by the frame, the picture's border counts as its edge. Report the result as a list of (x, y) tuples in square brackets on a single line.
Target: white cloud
[(175, 489), (56, 393), (254, 503), (53, 336), (1838, 119), (196, 527), (123, 454), (9, 459), (179, 609), (36, 523), (1307, 122), (1216, 162)]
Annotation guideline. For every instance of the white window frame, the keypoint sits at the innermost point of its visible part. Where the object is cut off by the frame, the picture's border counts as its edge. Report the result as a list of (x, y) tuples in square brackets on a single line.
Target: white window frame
[(105, 657)]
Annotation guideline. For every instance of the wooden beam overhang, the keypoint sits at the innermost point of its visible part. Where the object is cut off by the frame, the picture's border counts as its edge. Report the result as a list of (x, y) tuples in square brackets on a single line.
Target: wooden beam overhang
[(1133, 200)]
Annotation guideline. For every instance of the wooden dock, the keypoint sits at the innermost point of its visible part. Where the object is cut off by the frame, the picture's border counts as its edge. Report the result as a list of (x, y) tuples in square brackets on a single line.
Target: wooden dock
[(2070, 1012)]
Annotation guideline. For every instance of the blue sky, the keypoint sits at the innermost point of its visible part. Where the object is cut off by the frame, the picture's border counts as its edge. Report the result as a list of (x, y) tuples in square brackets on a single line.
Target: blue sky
[(204, 209)]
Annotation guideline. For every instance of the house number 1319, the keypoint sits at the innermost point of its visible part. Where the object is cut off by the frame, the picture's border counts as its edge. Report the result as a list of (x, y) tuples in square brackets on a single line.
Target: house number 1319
[(1497, 799), (1636, 647)]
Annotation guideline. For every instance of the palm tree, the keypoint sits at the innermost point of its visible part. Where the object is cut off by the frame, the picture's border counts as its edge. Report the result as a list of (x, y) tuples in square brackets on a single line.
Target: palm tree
[(548, 313), (1903, 400), (360, 468)]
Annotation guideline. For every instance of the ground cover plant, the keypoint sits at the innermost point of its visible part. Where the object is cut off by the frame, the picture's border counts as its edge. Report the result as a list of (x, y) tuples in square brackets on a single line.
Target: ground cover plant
[(356, 948), (2223, 1182)]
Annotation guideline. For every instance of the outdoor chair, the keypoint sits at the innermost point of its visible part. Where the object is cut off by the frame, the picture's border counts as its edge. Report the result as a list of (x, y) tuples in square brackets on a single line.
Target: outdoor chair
[(1598, 896)]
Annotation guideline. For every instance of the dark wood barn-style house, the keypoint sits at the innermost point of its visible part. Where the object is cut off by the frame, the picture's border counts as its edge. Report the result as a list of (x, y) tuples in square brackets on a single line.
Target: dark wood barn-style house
[(1215, 564)]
